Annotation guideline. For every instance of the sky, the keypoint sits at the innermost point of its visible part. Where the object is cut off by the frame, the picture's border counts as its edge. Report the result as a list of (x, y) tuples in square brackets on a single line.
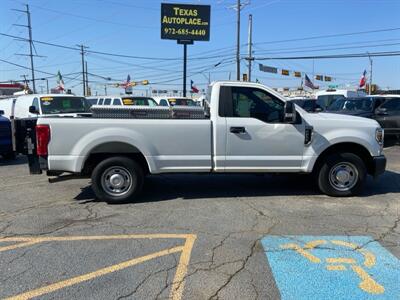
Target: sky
[(281, 28)]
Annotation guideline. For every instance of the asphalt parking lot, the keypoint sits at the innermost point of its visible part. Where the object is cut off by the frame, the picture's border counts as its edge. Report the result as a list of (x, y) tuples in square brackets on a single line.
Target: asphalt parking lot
[(199, 237)]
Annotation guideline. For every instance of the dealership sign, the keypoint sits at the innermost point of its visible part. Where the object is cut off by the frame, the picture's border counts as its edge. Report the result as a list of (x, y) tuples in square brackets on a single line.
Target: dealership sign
[(185, 22)]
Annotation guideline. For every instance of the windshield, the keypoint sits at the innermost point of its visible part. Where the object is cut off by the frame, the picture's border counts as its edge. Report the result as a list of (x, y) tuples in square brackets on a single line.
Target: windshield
[(391, 104), (346, 104), (63, 105), (139, 101), (181, 101), (326, 100)]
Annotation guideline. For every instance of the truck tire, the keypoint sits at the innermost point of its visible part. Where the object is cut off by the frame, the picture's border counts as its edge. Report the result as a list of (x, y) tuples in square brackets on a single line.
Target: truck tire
[(342, 175), (117, 180)]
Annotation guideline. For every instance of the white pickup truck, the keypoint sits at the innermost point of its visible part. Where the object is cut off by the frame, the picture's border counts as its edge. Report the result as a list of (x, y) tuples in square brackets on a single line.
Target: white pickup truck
[(246, 128)]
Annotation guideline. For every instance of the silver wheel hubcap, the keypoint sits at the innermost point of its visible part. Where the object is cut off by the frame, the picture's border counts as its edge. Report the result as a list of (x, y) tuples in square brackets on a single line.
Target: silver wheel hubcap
[(343, 176), (116, 181)]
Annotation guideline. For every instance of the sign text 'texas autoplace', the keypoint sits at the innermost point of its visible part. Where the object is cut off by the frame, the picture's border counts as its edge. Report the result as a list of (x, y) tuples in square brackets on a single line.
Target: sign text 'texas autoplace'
[(185, 22)]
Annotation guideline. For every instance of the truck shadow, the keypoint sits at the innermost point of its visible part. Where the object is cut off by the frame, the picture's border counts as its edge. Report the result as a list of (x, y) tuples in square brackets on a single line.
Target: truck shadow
[(19, 160), (188, 187)]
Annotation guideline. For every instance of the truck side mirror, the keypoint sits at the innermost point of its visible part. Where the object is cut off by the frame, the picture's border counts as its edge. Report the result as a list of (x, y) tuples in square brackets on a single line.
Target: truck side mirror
[(33, 110), (289, 113), (1, 112)]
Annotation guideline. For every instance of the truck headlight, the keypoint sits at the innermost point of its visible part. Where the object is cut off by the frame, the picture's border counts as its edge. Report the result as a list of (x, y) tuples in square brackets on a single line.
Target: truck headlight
[(379, 136)]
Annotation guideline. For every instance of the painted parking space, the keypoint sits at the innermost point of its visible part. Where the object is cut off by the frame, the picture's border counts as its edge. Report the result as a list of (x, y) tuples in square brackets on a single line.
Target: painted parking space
[(332, 267), (10, 244)]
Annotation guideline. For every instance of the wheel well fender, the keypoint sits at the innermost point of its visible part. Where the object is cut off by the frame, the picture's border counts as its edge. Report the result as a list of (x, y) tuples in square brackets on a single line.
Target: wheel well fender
[(111, 149), (354, 148)]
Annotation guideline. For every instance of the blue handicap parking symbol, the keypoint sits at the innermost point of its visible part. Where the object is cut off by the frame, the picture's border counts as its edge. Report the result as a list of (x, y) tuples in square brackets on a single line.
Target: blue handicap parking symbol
[(332, 267)]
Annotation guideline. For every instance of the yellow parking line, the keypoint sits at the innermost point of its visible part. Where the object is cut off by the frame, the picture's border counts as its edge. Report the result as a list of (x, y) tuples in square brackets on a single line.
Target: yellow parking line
[(78, 279), (19, 245), (178, 281), (96, 237), (181, 270)]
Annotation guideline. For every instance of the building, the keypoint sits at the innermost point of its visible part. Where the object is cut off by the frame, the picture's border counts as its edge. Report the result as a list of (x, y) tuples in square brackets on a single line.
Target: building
[(8, 89)]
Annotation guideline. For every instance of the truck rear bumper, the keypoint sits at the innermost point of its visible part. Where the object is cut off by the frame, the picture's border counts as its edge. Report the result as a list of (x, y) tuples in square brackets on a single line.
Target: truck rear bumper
[(66, 163), (379, 165)]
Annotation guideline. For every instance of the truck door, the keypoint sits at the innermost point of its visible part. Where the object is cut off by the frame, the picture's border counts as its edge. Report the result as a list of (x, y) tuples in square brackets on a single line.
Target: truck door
[(257, 139)]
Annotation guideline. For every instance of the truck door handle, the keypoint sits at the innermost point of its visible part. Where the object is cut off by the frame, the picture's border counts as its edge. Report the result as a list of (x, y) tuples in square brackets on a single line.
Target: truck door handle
[(237, 130)]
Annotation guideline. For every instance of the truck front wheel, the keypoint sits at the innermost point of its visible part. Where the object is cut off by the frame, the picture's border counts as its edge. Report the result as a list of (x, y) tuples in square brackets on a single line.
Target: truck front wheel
[(342, 174), (117, 180)]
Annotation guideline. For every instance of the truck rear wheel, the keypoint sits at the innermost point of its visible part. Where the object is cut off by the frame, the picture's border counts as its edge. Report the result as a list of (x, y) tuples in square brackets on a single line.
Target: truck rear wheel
[(117, 180), (341, 175)]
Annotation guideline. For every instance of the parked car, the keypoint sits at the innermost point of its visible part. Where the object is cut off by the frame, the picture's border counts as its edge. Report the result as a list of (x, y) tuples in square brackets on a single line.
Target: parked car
[(309, 105), (246, 128), (28, 106), (172, 101), (327, 97), (121, 100), (388, 116), (361, 107), (6, 149)]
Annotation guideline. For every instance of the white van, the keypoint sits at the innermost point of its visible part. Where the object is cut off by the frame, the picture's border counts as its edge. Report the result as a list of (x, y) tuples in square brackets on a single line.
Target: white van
[(327, 97), (121, 100), (172, 101), (28, 106)]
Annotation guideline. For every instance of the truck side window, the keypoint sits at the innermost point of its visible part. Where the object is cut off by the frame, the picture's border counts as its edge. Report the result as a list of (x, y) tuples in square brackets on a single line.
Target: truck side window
[(107, 101), (100, 101), (35, 103), (117, 101), (163, 102), (255, 103)]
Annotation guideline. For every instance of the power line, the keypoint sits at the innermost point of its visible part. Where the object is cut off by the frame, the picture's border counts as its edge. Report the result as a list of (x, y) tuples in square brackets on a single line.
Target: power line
[(329, 36), (114, 54), (272, 51), (353, 55), (329, 49)]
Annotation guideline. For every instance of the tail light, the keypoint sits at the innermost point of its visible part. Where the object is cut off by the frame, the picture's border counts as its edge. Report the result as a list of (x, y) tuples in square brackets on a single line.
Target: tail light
[(42, 139)]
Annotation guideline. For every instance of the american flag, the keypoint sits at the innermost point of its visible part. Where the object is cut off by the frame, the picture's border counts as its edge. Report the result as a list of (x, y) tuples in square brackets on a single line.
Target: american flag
[(308, 83)]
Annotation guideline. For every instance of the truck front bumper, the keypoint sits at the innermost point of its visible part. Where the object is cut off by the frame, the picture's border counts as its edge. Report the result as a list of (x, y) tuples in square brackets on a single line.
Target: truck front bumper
[(379, 165)]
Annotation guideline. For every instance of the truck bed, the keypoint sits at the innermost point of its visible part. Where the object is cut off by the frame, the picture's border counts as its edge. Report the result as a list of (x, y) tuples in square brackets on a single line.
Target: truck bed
[(169, 145)]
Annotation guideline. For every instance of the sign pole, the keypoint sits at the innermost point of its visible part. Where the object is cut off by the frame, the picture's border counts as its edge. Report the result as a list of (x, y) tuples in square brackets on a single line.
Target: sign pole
[(185, 43), (184, 68)]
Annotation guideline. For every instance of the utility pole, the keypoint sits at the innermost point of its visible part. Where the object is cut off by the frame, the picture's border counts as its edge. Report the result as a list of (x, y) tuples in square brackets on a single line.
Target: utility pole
[(87, 79), (250, 58), (105, 90), (25, 80), (47, 85), (370, 74), (31, 46), (83, 68), (238, 42)]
